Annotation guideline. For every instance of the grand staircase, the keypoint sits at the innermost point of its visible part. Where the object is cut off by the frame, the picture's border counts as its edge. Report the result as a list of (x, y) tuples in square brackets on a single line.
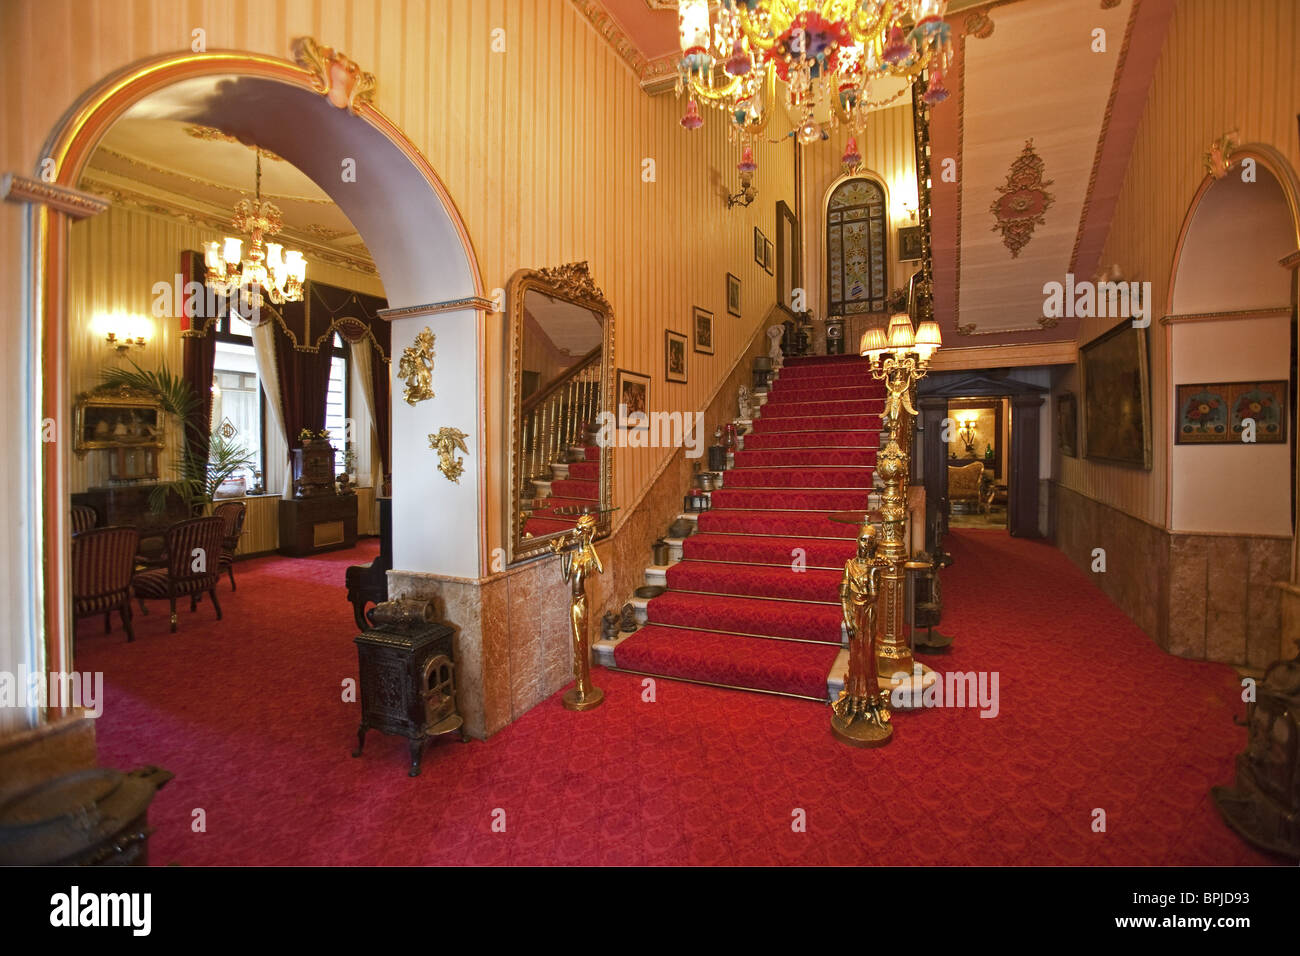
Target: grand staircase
[(754, 601)]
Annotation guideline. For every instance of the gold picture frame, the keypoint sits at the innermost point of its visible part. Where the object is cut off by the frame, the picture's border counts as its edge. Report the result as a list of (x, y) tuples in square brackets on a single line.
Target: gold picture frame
[(121, 418)]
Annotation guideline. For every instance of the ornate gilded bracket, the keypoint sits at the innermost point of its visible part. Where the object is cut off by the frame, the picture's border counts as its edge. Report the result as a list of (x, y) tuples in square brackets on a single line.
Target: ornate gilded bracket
[(1218, 157), (416, 367), (337, 78), (447, 442)]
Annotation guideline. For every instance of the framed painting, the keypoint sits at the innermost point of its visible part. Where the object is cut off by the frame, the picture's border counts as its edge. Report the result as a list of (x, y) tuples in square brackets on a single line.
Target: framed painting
[(909, 243), (1067, 424), (733, 295), (1116, 384), (787, 258), (760, 245), (633, 400), (1217, 413), (1202, 415), (768, 257), (703, 325), (674, 356), (118, 419)]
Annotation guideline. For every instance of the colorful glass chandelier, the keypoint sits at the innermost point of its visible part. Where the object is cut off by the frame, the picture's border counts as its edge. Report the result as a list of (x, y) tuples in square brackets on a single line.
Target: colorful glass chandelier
[(814, 60), (267, 267)]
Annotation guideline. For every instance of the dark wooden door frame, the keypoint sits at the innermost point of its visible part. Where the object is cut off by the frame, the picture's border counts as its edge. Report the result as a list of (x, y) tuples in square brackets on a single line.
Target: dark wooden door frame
[(1022, 466)]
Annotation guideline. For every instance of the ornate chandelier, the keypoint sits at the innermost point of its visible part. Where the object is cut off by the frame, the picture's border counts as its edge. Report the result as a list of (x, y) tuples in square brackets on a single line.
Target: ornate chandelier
[(267, 267), (817, 58)]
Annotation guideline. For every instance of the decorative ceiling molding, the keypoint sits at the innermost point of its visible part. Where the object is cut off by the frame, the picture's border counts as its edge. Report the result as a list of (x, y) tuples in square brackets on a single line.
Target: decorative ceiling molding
[(476, 302), (209, 183), (613, 34), (172, 207), (210, 135)]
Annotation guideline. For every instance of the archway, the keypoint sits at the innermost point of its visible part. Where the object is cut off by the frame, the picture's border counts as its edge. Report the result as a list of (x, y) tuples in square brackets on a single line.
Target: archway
[(1231, 320), (396, 201)]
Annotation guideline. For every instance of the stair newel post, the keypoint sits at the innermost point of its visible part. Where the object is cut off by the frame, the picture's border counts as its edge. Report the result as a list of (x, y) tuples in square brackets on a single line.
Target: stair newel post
[(578, 559)]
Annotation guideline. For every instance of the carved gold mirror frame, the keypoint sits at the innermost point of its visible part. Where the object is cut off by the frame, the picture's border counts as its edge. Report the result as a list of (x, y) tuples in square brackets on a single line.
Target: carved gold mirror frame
[(570, 283)]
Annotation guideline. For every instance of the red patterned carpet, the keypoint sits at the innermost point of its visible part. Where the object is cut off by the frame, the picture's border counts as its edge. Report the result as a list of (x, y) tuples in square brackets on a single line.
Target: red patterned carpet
[(248, 714), (737, 613)]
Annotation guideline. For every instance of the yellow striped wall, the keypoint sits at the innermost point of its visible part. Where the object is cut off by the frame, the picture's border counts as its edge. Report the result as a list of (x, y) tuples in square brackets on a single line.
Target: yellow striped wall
[(1226, 64)]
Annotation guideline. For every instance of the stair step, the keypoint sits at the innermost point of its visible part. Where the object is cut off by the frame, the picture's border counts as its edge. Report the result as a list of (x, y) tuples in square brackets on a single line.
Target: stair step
[(790, 620), (773, 550), (761, 581)]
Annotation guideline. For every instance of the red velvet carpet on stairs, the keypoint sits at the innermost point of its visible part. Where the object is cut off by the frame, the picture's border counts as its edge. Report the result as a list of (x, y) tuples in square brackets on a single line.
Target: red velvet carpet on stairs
[(1092, 715), (739, 611)]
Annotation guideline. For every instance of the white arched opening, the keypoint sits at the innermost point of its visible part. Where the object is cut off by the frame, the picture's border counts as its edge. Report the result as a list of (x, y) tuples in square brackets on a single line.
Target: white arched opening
[(1231, 321)]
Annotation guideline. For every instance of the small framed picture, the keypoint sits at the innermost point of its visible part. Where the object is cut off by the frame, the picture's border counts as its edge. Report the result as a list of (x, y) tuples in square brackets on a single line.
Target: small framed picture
[(703, 324), (1216, 414), (633, 400), (1067, 424), (733, 295), (760, 245), (769, 256), (909, 243), (674, 356)]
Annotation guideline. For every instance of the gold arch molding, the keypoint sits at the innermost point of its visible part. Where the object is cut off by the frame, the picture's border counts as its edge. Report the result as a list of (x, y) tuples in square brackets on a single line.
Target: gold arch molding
[(55, 204)]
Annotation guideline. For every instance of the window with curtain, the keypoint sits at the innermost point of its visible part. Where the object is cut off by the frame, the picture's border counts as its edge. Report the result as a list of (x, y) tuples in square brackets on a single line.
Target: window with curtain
[(237, 400), (336, 404), (857, 269)]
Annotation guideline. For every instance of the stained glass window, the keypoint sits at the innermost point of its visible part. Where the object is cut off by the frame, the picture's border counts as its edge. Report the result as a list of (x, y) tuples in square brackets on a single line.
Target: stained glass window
[(857, 273)]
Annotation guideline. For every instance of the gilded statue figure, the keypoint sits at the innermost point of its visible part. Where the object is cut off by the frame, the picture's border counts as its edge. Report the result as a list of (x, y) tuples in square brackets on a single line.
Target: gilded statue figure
[(416, 367), (862, 714), (578, 559)]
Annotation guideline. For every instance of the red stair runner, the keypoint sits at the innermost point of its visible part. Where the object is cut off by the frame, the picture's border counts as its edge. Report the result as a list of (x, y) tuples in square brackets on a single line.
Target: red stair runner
[(580, 490), (737, 612)]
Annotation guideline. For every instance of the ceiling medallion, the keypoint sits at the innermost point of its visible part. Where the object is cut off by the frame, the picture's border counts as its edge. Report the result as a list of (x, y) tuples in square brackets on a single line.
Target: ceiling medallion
[(1023, 200), (337, 78)]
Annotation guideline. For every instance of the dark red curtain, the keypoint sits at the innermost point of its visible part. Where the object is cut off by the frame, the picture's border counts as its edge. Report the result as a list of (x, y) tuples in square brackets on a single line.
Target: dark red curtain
[(304, 385), (198, 357)]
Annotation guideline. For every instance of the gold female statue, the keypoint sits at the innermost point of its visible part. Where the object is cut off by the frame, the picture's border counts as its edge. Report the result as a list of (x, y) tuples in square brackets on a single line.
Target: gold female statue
[(862, 715), (577, 559)]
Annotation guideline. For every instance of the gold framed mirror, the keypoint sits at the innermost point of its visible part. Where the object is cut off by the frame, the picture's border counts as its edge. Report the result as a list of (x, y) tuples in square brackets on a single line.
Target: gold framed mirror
[(561, 380)]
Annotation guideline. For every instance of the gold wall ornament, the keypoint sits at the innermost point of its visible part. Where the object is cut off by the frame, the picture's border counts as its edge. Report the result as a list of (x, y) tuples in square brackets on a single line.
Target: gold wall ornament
[(1218, 157), (578, 560), (416, 367), (446, 443), (336, 77), (573, 281), (861, 714)]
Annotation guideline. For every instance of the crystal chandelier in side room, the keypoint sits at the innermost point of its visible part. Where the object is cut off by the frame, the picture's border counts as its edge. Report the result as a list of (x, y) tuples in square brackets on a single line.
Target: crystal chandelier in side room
[(267, 267), (816, 59)]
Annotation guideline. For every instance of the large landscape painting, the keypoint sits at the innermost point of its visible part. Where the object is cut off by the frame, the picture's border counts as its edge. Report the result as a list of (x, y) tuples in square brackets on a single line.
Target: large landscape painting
[(1116, 397)]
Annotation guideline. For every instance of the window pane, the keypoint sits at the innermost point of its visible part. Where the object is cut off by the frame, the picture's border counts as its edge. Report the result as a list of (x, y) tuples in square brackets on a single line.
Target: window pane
[(236, 398), (237, 326), (336, 409)]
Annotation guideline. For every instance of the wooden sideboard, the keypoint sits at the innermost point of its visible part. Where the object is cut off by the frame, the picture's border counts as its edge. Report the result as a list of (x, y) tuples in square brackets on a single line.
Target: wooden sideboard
[(318, 524)]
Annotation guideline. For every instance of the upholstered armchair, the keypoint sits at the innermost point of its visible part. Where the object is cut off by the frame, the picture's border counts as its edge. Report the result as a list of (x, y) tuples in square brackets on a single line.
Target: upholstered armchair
[(186, 542), (964, 483), (102, 562), (231, 514)]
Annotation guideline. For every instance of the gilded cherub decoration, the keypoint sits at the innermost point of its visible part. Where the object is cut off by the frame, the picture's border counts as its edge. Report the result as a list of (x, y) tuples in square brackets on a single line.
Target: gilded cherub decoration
[(1218, 157), (336, 77), (416, 367), (447, 442)]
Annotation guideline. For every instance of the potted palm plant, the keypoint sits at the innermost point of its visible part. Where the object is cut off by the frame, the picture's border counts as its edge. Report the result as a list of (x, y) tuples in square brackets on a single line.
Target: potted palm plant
[(197, 478)]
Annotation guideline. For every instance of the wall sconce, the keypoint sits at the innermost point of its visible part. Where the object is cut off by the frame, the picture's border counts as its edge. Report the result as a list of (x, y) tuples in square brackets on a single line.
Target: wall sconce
[(122, 331), (966, 431), (748, 193)]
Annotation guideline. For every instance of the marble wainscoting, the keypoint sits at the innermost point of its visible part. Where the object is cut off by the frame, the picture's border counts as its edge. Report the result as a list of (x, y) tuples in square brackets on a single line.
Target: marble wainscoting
[(1205, 597)]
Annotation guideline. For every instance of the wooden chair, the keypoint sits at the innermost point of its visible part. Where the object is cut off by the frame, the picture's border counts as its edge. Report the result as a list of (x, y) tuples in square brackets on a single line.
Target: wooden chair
[(231, 514), (103, 560), (196, 541), (84, 518)]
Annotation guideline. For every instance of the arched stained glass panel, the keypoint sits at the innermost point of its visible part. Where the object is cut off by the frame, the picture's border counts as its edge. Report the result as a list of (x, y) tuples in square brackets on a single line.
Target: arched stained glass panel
[(857, 272)]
